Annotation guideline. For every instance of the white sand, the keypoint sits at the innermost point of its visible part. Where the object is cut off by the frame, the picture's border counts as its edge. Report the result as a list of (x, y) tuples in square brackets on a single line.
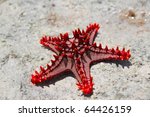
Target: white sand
[(124, 23)]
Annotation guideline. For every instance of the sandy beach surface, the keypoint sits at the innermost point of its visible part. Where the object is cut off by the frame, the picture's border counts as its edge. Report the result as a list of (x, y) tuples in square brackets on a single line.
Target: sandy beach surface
[(124, 23)]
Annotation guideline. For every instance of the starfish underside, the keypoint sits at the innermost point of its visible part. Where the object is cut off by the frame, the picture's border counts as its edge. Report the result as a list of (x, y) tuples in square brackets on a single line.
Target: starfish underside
[(76, 54)]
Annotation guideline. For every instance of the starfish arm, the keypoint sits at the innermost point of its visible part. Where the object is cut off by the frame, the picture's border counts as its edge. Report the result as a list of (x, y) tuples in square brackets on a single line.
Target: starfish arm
[(56, 44), (51, 43), (91, 32), (87, 36), (81, 72), (99, 53), (56, 68)]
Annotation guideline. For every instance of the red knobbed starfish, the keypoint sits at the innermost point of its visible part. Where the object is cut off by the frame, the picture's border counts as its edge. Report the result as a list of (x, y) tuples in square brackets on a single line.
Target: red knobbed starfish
[(76, 54)]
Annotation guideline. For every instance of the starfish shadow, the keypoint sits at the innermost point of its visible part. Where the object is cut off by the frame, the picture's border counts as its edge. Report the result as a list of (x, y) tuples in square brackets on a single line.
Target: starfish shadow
[(88, 95), (59, 78), (56, 79), (67, 73), (124, 63)]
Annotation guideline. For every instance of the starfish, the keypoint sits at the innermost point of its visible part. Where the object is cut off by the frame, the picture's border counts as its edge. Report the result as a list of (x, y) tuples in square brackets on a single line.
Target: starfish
[(76, 54)]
